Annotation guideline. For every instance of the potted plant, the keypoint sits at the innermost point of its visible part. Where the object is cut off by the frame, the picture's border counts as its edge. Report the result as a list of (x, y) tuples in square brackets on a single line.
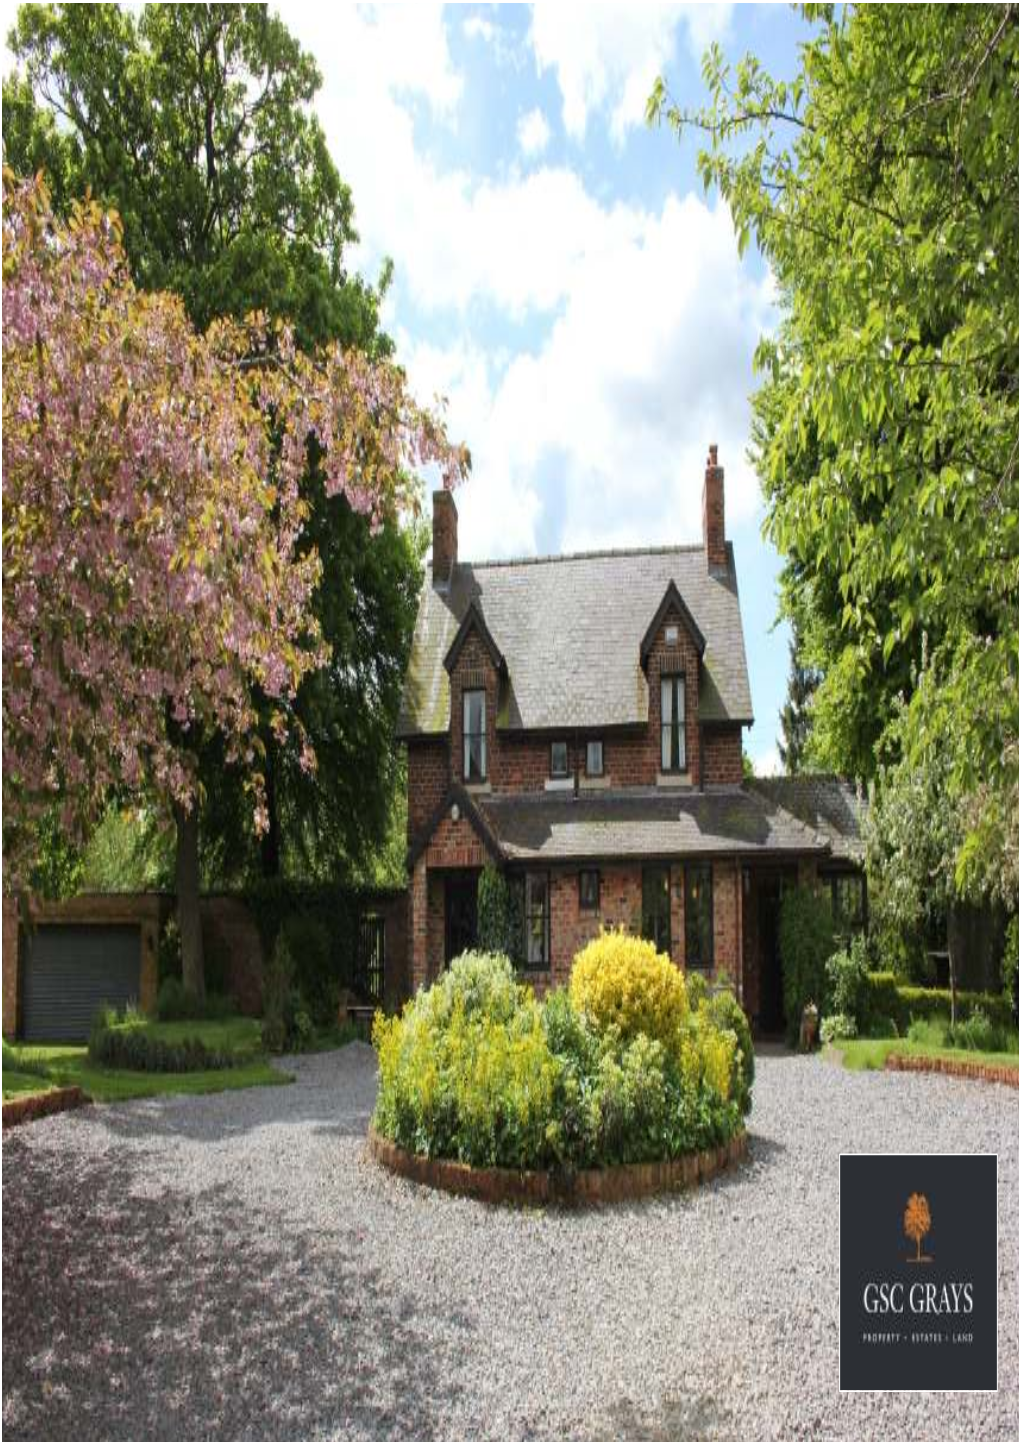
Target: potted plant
[(809, 1027)]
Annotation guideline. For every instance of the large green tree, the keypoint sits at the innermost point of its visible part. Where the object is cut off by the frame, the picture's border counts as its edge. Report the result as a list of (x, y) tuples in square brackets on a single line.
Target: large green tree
[(195, 123), (881, 185)]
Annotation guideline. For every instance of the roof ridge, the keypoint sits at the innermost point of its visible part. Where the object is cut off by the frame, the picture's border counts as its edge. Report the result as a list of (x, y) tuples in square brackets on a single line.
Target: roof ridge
[(598, 555)]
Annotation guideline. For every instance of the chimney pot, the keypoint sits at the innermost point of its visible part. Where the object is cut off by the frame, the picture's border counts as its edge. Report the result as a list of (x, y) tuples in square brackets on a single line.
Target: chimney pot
[(713, 512), (444, 538)]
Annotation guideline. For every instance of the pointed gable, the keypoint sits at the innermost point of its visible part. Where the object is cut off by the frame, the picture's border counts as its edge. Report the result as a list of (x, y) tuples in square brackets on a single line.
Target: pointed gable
[(474, 623), (672, 604)]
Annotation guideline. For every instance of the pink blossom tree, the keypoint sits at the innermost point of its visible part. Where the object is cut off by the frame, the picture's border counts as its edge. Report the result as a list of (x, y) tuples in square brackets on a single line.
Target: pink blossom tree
[(154, 583)]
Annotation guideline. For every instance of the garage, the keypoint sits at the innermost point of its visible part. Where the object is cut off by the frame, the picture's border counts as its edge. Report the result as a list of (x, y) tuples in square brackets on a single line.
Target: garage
[(69, 971)]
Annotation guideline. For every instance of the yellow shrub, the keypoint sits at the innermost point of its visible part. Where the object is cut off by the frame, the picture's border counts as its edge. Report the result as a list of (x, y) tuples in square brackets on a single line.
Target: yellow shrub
[(619, 980), (707, 1055)]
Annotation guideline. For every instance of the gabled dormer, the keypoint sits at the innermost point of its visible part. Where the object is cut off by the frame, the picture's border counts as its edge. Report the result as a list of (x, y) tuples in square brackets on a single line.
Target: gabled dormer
[(477, 670), (671, 653)]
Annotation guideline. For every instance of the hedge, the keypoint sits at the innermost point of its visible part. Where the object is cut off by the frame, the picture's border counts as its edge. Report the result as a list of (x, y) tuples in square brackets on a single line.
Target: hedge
[(889, 997)]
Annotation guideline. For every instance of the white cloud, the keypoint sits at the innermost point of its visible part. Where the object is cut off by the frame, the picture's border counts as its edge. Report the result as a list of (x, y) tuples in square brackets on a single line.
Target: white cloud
[(767, 763), (533, 132), (609, 57), (598, 436)]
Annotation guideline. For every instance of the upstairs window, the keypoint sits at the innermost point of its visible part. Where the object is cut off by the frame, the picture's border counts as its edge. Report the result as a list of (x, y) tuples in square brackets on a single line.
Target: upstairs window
[(673, 714), (698, 928), (559, 762), (593, 764), (475, 760)]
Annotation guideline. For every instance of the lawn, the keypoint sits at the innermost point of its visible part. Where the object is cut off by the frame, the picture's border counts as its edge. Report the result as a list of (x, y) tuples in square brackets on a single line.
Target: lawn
[(29, 1067), (866, 1054)]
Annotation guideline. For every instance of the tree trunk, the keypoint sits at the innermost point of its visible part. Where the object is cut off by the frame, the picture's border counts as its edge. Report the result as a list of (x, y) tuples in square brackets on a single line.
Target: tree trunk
[(188, 917), (952, 946)]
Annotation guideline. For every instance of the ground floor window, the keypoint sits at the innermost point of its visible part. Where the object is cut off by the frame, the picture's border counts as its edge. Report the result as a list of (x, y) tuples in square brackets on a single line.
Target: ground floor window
[(698, 917), (536, 921), (655, 907), (588, 890)]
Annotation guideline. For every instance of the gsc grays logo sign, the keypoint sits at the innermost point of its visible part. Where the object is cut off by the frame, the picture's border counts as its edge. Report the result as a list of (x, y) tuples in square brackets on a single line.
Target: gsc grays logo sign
[(918, 1309)]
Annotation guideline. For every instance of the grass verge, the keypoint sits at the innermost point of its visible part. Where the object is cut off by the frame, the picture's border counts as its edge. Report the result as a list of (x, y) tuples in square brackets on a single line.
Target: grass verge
[(866, 1054)]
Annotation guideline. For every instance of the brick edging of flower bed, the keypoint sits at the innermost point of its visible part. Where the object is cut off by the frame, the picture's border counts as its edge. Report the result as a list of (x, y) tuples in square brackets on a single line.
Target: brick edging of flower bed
[(585, 1188), (950, 1066), (42, 1104)]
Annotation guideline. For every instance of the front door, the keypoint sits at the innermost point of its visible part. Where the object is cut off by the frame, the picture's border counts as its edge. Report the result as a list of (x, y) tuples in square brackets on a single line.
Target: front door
[(461, 913), (772, 1011)]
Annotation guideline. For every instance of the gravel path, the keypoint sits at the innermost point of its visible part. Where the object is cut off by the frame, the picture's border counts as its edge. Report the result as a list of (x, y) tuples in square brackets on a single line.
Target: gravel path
[(234, 1267)]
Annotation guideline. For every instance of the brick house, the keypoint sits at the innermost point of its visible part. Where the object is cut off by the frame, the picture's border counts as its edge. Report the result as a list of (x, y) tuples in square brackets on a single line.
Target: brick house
[(577, 721)]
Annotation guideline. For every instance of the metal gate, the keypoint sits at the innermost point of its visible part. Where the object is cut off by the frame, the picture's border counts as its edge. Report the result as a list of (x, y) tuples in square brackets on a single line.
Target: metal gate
[(70, 971), (370, 962)]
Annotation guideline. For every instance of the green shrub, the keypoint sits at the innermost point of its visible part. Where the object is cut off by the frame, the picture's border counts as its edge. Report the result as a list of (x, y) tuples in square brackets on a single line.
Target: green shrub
[(847, 976), (476, 1069), (805, 945), (175, 1003), (927, 1031), (727, 1014), (887, 997), (307, 943), (697, 989), (837, 1026), (978, 1033), (133, 1048), (621, 981), (500, 915), (287, 1024)]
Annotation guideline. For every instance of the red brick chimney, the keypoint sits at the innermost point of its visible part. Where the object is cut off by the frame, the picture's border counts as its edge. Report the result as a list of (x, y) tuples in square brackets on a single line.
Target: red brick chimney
[(713, 512), (444, 537)]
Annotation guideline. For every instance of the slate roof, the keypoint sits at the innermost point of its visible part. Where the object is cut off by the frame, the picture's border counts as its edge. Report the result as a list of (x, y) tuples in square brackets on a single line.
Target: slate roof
[(570, 629), (828, 804), (645, 822)]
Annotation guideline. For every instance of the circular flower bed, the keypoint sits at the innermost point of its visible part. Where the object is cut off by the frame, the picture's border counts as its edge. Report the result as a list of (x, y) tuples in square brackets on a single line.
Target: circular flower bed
[(619, 1070)]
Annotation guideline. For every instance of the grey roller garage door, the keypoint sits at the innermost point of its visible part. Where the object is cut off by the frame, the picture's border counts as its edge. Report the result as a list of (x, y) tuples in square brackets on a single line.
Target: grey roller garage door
[(69, 971)]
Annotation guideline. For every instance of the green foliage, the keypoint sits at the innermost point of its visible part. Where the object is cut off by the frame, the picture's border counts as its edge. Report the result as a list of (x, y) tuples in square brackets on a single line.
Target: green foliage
[(881, 185), (978, 1033), (837, 1026), (307, 941), (620, 981), (726, 1013), (132, 849), (134, 1048), (805, 944), (847, 974), (795, 717), (900, 1004), (500, 914), (287, 1024), (477, 1069), (174, 1002), (334, 909)]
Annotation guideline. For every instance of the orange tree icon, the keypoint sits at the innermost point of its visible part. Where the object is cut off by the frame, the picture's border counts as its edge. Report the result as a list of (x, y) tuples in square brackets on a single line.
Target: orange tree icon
[(917, 1222)]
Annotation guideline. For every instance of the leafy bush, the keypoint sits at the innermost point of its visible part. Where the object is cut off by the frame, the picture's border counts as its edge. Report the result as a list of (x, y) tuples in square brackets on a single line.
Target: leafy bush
[(475, 1068), (727, 1014), (500, 915), (847, 975), (287, 1023), (837, 1026), (901, 1004), (805, 945), (307, 942), (175, 1003), (133, 1048), (928, 1032), (620, 981), (697, 989), (977, 1033)]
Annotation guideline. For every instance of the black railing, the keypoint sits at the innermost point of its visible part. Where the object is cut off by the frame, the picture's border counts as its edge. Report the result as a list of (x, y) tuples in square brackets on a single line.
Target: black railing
[(370, 962)]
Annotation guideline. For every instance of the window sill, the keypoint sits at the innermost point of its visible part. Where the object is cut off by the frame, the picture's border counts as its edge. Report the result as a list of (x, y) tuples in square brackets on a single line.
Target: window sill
[(595, 783), (477, 788), (559, 783), (674, 778)]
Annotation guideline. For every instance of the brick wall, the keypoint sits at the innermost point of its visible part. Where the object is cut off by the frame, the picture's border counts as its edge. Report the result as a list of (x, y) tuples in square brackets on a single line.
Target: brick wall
[(723, 755), (713, 512), (428, 777)]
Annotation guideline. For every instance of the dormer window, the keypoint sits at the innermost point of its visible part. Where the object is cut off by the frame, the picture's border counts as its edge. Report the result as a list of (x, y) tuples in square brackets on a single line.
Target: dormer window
[(559, 760), (672, 634), (673, 716), (475, 760)]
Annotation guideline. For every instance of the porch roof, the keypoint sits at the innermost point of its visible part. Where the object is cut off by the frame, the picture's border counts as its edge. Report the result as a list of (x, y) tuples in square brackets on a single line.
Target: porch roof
[(830, 805), (646, 822)]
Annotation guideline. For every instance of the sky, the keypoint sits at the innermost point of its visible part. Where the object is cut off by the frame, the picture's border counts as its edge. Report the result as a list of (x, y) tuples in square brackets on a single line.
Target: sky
[(560, 276)]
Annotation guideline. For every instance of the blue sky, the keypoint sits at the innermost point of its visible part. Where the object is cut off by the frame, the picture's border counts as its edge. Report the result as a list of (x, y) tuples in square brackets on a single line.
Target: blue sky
[(560, 276)]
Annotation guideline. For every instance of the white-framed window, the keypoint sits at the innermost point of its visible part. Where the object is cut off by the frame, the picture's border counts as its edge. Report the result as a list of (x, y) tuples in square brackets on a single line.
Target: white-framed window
[(593, 760), (475, 760), (559, 760), (673, 715)]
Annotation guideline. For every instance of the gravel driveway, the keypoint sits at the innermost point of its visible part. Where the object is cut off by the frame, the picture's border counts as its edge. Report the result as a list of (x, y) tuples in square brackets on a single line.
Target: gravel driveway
[(233, 1266)]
